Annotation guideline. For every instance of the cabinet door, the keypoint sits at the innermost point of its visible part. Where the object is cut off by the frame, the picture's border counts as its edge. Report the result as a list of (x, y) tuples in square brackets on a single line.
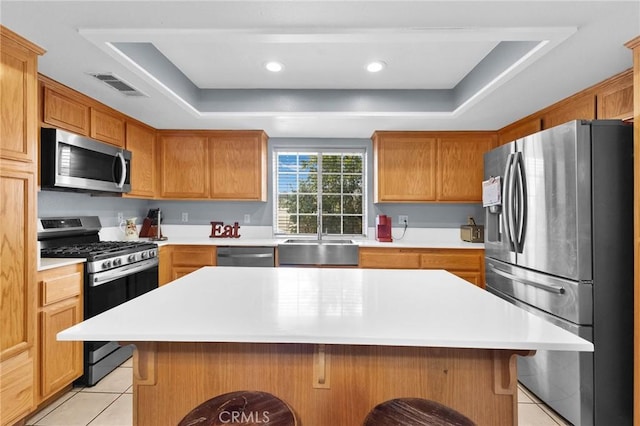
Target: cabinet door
[(164, 266), (18, 103), (184, 166), (473, 278), (461, 166), (519, 130), (181, 271), (107, 127), (66, 113), (579, 108), (61, 362), (404, 167), (141, 141), (17, 294), (186, 259), (615, 100), (18, 238), (238, 166), (16, 387)]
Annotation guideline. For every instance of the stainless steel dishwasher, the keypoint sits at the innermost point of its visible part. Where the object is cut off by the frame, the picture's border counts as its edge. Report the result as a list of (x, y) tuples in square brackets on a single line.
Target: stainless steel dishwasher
[(246, 256)]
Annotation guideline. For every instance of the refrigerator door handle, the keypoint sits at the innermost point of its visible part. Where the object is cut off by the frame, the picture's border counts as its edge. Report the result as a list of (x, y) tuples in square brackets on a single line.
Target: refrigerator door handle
[(547, 287), (507, 196), (521, 202)]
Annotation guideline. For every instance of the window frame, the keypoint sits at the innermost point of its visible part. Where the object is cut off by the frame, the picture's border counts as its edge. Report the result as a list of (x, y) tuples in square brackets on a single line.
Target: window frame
[(320, 151)]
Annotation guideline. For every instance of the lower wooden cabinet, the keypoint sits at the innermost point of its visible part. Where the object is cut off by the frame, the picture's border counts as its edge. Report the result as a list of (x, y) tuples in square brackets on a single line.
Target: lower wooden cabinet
[(468, 264), (60, 307), (16, 387), (179, 260)]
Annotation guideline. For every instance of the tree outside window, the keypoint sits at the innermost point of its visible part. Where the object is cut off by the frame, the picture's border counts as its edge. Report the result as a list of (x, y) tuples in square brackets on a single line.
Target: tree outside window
[(308, 183)]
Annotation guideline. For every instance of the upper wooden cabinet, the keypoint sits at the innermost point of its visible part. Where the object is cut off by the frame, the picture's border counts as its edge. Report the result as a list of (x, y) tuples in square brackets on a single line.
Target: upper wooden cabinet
[(615, 98), (404, 167), (65, 112), (429, 166), (107, 127), (18, 100), (214, 165), (66, 109), (460, 166), (183, 165), (580, 107), (141, 141), (238, 163), (519, 130)]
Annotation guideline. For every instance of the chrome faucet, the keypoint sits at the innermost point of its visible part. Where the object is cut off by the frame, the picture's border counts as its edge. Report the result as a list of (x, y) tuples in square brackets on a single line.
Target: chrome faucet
[(320, 232)]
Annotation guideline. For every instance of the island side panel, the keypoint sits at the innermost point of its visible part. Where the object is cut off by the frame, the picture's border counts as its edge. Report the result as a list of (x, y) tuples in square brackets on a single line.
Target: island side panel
[(185, 375)]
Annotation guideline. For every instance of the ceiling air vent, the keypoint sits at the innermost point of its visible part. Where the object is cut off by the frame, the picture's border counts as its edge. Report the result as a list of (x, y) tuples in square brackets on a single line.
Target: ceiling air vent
[(117, 83)]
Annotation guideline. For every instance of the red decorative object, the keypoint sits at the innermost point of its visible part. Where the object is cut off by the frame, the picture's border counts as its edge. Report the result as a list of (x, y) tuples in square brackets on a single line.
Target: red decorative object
[(220, 230), (383, 228)]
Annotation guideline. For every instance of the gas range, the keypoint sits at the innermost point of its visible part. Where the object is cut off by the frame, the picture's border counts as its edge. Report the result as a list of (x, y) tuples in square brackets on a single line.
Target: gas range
[(115, 272), (105, 255), (77, 237)]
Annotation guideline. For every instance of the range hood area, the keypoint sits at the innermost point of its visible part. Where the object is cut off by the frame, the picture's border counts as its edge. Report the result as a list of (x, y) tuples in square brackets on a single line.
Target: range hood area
[(71, 162)]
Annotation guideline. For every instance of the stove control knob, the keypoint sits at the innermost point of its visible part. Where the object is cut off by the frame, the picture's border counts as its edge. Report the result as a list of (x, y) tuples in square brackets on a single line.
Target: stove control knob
[(117, 262), (106, 264), (144, 255), (152, 253), (131, 258)]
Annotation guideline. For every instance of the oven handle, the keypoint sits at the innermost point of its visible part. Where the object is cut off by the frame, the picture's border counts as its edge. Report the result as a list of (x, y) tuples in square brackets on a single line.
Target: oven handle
[(99, 278)]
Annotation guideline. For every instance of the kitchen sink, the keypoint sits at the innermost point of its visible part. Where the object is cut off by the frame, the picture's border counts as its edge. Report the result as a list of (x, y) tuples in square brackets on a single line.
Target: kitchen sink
[(316, 241), (314, 252)]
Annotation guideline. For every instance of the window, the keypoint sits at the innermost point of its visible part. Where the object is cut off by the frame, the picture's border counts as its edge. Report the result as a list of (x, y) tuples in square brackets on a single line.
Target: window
[(309, 182)]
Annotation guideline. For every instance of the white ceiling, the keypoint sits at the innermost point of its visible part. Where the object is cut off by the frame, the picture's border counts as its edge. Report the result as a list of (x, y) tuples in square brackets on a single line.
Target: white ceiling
[(451, 65)]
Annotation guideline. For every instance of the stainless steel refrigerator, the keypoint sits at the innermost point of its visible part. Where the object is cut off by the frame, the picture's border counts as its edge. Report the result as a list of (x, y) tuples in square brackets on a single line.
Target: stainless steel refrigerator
[(559, 244)]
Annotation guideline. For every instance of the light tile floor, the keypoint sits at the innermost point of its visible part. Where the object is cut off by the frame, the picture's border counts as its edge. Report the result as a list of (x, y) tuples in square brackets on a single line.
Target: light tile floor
[(110, 403)]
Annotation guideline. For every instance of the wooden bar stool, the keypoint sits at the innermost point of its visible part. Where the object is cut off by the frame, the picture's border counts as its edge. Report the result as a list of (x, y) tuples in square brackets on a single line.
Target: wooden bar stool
[(415, 412), (246, 408)]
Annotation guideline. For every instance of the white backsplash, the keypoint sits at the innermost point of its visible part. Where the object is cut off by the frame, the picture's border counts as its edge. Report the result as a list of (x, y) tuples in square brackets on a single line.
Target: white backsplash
[(265, 232)]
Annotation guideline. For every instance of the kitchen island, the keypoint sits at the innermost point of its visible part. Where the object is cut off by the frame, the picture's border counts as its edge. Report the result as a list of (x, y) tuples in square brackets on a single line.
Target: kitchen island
[(330, 343)]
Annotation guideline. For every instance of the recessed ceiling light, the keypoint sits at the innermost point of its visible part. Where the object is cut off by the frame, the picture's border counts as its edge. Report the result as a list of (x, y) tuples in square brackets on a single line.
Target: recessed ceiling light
[(376, 66), (274, 66)]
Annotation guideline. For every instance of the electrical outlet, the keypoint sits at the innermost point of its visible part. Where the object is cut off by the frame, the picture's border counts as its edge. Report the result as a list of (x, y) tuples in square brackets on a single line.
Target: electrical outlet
[(247, 218), (185, 217), (120, 217), (403, 219)]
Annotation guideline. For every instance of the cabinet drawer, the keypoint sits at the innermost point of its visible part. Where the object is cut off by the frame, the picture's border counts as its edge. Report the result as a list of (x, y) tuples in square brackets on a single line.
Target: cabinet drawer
[(59, 284), (194, 256), (455, 262), (389, 259)]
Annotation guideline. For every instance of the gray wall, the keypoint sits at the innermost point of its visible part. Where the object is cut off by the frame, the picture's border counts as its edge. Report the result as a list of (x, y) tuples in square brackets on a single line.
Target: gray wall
[(54, 203)]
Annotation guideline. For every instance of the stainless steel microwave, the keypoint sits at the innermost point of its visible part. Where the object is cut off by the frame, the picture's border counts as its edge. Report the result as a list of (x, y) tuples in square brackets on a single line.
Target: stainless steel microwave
[(77, 163)]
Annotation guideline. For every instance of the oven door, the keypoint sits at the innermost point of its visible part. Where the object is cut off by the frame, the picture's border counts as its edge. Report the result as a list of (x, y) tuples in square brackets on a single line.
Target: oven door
[(106, 290)]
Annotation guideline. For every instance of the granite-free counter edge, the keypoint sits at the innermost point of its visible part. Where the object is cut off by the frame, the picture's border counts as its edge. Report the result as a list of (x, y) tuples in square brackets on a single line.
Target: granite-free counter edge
[(274, 242), (55, 262), (326, 306)]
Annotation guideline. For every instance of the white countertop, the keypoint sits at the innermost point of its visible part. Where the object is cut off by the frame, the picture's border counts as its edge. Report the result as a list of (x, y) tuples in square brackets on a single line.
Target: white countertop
[(262, 236), (331, 306), (51, 262)]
